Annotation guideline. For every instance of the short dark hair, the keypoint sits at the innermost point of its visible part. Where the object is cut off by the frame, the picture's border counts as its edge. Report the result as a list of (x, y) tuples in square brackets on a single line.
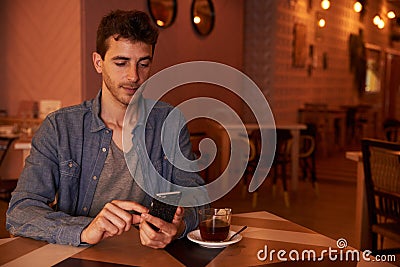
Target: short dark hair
[(133, 25)]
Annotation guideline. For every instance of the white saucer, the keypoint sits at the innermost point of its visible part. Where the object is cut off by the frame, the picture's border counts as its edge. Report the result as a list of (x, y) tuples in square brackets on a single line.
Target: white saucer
[(195, 236)]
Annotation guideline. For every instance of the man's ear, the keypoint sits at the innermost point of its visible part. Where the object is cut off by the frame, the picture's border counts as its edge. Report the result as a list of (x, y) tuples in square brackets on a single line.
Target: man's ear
[(97, 62)]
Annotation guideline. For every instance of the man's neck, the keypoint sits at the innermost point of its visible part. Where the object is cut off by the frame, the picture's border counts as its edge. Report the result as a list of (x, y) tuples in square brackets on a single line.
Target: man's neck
[(112, 111)]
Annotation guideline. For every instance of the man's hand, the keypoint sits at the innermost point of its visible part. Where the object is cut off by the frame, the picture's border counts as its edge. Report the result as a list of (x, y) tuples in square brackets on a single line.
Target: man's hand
[(113, 219), (167, 232)]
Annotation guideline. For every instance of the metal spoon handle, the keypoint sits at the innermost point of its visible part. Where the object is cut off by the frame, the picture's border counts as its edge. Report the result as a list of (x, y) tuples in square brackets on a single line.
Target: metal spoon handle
[(238, 232)]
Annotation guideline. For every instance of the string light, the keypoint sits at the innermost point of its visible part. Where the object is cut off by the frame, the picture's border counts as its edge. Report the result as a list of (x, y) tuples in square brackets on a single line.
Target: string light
[(391, 14), (376, 20), (357, 7), (381, 24), (325, 4), (321, 23)]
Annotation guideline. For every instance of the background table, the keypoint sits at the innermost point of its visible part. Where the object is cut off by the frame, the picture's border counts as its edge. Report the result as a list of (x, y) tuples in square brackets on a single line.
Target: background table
[(294, 129)]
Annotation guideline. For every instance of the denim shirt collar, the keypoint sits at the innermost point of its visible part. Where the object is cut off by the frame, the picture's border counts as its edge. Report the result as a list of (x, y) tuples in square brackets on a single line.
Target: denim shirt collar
[(144, 105), (97, 123)]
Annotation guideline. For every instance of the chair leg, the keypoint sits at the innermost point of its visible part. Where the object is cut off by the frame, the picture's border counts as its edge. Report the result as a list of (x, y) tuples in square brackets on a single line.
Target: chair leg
[(285, 191), (274, 178), (286, 199), (244, 188), (283, 166), (374, 240), (314, 175), (254, 200)]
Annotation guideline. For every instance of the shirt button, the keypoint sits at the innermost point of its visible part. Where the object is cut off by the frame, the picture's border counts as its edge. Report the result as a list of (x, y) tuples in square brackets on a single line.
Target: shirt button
[(104, 149), (70, 165), (165, 157), (107, 131), (84, 209), (95, 177)]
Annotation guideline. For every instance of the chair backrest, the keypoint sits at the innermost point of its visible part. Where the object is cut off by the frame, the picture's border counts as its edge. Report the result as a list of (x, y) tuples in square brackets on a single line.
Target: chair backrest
[(382, 178), (283, 144), (392, 133)]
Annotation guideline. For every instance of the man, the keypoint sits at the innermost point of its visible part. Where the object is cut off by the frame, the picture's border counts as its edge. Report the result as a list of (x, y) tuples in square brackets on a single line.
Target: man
[(76, 187)]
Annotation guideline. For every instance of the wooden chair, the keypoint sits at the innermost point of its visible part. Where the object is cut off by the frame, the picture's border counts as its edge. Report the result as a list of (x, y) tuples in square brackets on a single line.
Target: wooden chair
[(307, 154), (382, 180), (317, 115), (282, 159), (391, 128), (6, 185)]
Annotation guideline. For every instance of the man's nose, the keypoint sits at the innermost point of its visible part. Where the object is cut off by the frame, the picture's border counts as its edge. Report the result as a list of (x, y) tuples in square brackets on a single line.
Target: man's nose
[(133, 74)]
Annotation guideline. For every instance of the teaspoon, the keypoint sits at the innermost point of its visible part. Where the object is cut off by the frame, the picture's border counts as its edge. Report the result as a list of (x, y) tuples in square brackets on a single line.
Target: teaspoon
[(238, 232)]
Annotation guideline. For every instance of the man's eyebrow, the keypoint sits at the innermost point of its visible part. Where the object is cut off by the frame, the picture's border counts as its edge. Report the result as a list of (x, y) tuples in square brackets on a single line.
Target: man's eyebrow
[(146, 58), (127, 58), (120, 58)]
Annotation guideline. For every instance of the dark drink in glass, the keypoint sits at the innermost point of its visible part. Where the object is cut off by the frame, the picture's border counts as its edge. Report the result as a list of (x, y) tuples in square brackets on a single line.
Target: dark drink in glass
[(214, 230), (214, 224)]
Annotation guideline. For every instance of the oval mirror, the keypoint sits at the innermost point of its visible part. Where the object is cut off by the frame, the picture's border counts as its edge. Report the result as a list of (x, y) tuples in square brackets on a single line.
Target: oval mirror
[(203, 16), (163, 12)]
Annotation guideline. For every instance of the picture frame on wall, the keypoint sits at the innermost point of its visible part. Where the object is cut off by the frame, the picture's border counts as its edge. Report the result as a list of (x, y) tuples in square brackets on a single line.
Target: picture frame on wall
[(300, 49)]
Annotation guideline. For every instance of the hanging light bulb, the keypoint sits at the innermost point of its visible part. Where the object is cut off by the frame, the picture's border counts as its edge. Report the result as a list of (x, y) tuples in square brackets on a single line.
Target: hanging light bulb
[(325, 4), (321, 23), (357, 7), (376, 20), (381, 24), (391, 14)]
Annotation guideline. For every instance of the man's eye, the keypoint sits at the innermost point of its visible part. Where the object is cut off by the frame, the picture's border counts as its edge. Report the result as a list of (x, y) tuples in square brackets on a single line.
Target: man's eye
[(144, 64), (120, 64)]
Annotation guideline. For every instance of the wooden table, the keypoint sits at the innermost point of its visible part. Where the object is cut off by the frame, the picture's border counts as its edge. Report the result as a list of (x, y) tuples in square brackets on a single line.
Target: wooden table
[(266, 232), (294, 130)]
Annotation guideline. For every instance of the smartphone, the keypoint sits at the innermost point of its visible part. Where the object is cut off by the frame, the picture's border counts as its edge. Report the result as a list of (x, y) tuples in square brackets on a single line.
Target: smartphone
[(163, 210)]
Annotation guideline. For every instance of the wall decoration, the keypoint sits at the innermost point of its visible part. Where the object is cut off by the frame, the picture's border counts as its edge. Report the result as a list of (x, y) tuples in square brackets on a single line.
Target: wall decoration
[(299, 56), (325, 61), (163, 12), (357, 60), (373, 70), (309, 5), (203, 16)]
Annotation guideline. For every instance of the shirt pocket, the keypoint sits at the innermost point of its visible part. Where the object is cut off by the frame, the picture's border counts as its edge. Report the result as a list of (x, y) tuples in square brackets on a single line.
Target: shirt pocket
[(70, 168)]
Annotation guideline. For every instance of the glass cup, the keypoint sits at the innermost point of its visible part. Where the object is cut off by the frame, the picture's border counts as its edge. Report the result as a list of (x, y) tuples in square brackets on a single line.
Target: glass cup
[(214, 224)]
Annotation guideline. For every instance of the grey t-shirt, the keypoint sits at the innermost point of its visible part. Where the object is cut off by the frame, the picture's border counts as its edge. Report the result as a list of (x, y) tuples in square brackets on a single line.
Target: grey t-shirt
[(116, 182)]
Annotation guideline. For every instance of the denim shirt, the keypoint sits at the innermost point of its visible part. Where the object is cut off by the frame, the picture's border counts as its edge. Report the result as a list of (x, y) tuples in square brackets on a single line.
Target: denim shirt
[(67, 156)]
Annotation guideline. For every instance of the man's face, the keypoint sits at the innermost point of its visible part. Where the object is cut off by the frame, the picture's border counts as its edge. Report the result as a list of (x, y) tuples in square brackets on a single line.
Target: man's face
[(125, 67)]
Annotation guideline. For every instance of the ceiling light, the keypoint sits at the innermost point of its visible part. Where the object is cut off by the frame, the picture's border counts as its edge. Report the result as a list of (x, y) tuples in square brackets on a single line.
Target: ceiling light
[(391, 14), (321, 23), (381, 24), (357, 7), (376, 20), (325, 4)]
